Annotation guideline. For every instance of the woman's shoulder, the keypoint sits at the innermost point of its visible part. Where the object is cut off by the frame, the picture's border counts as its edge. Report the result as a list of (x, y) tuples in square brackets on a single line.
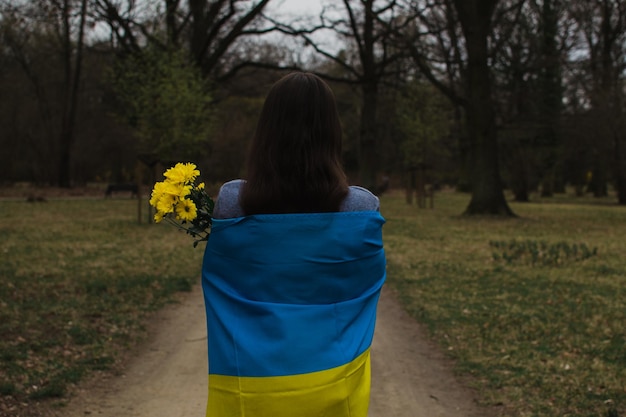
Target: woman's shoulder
[(227, 202), (231, 186), (360, 199)]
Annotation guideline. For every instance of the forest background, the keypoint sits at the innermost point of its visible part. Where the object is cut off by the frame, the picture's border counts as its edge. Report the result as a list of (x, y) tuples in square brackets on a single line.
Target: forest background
[(479, 95)]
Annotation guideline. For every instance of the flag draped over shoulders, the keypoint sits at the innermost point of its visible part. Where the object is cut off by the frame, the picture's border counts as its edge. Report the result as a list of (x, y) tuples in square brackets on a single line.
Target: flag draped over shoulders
[(291, 307)]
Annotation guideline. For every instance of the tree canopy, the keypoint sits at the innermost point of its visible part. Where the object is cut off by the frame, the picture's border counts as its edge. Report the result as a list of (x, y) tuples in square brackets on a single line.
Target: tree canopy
[(534, 88)]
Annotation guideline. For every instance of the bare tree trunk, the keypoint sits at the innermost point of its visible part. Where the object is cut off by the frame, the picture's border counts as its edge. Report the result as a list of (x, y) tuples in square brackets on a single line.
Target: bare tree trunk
[(550, 102), (519, 181), (215, 26), (607, 96), (620, 169), (171, 7), (598, 185), (71, 85), (368, 153), (368, 161), (487, 192), (411, 184)]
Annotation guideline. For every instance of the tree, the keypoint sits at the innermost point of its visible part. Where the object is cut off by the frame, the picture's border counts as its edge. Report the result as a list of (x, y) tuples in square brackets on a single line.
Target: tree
[(450, 47), (475, 17), (62, 24), (167, 102), (531, 41), (72, 63), (424, 118), (515, 72), (235, 123), (207, 29), (367, 27), (602, 26), (550, 96)]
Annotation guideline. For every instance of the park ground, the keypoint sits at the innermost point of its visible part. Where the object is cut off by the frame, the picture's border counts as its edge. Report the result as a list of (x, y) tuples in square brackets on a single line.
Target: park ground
[(166, 375), (529, 310)]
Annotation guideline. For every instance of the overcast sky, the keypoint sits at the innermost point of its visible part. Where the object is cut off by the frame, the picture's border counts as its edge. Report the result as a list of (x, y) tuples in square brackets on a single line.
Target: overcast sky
[(296, 6), (290, 11)]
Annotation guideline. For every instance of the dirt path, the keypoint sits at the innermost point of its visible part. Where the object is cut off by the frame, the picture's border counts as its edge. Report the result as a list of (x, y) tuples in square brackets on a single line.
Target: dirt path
[(410, 376), (168, 377)]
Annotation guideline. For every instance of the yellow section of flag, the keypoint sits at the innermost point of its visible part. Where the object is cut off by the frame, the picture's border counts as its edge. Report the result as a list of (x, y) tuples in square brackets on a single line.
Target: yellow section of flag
[(338, 392)]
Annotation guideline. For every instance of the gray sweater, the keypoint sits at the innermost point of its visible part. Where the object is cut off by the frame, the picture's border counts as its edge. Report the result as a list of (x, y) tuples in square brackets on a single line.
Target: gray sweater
[(227, 203)]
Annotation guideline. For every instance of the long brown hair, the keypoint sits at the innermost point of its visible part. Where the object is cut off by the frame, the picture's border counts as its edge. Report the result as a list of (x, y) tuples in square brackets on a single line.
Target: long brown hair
[(294, 161)]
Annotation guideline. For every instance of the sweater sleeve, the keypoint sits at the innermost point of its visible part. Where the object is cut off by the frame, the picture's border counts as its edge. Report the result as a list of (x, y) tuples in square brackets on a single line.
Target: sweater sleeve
[(360, 199), (227, 202)]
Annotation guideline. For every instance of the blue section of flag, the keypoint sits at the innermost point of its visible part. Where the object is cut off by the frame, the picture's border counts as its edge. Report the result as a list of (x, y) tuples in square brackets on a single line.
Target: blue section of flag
[(291, 294)]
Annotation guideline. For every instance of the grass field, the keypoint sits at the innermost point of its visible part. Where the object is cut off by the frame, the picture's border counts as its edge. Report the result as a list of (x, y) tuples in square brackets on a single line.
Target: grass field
[(533, 307), (77, 277)]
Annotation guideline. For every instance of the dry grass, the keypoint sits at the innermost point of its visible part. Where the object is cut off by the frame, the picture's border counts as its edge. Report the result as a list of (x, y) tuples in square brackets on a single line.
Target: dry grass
[(78, 278), (540, 338)]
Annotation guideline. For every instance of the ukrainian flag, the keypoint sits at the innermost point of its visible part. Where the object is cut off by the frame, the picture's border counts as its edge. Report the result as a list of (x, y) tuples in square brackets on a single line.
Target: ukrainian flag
[(291, 307)]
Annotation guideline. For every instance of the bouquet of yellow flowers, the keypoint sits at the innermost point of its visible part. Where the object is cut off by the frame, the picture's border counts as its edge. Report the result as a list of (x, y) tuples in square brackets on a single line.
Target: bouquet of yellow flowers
[(178, 198)]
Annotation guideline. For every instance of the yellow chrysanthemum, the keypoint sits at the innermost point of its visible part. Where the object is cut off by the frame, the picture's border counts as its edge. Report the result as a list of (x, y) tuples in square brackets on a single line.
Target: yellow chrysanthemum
[(172, 198), (158, 217), (182, 173), (184, 191), (166, 203), (172, 188), (186, 210), (157, 192)]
